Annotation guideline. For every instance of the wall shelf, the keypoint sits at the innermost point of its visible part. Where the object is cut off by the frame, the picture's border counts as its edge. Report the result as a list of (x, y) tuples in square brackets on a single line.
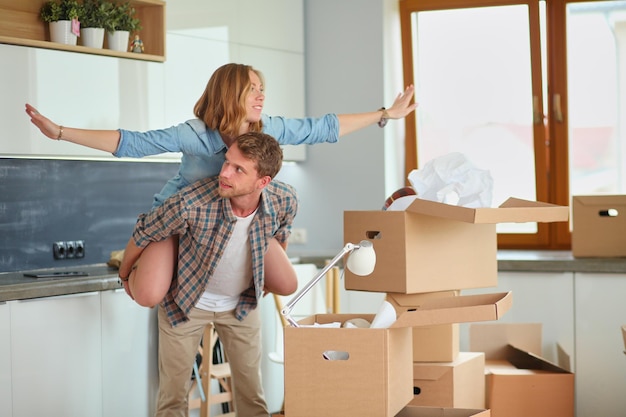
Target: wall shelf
[(20, 25)]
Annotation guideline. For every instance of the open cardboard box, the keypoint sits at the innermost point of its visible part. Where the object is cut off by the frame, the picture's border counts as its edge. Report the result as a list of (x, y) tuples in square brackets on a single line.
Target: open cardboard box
[(519, 382), (437, 343), (417, 411), (597, 221), (371, 370), (434, 246)]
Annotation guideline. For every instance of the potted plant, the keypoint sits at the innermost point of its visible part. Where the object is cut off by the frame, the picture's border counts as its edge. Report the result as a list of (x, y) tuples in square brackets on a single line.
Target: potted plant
[(62, 18), (93, 15), (120, 24)]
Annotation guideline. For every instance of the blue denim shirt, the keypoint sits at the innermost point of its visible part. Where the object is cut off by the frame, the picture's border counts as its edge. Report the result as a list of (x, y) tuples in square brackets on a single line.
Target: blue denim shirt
[(203, 149)]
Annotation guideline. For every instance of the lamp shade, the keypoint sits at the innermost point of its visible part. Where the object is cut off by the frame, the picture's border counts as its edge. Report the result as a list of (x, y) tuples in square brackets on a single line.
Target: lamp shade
[(362, 260)]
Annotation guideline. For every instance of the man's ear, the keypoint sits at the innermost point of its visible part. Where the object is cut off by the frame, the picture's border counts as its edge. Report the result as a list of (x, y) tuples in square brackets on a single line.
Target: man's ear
[(264, 181)]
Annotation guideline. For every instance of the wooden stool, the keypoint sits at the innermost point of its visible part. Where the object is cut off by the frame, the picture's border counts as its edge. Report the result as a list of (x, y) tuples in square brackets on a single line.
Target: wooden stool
[(208, 372)]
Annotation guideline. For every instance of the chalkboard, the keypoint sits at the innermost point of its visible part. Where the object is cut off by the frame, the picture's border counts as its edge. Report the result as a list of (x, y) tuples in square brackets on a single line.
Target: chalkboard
[(47, 200)]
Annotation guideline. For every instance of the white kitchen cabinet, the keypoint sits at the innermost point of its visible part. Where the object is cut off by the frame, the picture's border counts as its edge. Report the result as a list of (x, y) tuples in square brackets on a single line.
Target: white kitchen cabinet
[(78, 90), (56, 360), (538, 297), (5, 361), (600, 361), (129, 357)]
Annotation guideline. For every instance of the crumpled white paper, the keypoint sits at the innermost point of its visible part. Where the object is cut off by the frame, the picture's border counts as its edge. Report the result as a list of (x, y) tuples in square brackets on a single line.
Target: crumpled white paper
[(453, 179)]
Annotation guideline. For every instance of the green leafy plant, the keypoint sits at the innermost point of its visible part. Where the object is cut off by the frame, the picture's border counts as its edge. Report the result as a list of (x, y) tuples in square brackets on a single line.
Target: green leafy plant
[(122, 17), (53, 11), (93, 13)]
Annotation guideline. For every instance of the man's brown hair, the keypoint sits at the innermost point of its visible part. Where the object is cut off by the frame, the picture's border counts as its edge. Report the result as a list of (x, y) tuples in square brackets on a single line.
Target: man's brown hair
[(264, 150)]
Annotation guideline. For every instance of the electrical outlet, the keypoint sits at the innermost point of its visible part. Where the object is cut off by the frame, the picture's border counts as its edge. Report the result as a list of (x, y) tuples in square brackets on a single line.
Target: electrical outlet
[(298, 236), (79, 249), (58, 250), (69, 249)]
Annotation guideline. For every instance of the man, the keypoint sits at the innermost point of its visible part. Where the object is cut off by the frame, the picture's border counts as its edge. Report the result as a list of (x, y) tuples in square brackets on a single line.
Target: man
[(225, 225)]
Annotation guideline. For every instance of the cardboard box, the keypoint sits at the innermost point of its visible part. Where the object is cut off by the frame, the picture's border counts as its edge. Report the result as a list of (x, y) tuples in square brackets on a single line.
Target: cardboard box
[(597, 222), (520, 383), (416, 411), (439, 343), (437, 247), (377, 377), (456, 384)]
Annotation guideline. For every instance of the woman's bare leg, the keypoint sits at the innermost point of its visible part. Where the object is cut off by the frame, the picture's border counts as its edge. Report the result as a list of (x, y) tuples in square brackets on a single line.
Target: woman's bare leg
[(280, 276), (153, 272)]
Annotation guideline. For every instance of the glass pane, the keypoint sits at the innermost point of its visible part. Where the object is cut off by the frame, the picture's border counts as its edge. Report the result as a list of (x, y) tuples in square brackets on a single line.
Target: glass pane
[(596, 77), (473, 83)]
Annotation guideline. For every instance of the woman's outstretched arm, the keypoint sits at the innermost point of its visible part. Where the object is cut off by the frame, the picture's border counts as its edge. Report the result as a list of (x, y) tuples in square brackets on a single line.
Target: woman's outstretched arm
[(104, 140), (401, 107)]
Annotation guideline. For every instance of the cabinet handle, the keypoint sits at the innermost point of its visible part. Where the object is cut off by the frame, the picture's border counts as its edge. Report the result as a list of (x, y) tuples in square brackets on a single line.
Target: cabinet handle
[(56, 297)]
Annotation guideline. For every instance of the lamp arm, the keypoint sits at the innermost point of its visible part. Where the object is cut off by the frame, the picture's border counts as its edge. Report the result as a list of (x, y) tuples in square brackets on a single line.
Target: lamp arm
[(286, 311)]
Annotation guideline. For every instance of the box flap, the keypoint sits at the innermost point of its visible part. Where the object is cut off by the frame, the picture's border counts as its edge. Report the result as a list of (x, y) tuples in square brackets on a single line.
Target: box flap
[(461, 309), (493, 338), (610, 201), (563, 358), (419, 411), (512, 210), (402, 301), (526, 360)]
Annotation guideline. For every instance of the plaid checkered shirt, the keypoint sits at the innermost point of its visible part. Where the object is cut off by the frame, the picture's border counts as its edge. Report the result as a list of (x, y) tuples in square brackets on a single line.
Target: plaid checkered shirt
[(204, 222)]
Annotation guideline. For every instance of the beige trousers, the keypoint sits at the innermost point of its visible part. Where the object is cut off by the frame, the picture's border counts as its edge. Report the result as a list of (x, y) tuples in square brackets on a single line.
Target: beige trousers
[(177, 353)]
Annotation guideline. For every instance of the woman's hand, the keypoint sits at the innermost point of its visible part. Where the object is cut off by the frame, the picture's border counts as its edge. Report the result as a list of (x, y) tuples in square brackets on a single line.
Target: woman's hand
[(45, 125), (402, 105)]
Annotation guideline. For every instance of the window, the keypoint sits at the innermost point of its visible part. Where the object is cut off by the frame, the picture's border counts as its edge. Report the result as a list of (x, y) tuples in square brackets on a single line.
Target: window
[(502, 83)]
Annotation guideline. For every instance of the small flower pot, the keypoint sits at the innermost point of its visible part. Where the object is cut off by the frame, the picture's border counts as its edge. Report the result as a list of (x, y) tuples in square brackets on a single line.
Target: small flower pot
[(61, 32), (118, 40), (92, 37)]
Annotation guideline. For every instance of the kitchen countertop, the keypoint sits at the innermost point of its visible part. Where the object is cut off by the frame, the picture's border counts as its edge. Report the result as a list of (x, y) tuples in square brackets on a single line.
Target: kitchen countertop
[(15, 286), (557, 261)]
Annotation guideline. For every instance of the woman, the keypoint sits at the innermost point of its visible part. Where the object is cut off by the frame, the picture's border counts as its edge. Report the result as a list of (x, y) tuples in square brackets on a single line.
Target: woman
[(231, 104)]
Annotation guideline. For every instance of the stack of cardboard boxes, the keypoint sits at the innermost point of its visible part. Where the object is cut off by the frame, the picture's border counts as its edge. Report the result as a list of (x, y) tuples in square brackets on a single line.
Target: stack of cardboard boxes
[(426, 255)]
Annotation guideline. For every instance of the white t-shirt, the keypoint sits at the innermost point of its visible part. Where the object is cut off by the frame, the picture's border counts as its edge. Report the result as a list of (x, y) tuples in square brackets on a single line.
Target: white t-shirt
[(233, 273)]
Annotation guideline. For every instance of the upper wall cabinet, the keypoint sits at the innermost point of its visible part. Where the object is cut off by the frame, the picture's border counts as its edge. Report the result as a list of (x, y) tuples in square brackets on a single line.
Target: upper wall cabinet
[(20, 25)]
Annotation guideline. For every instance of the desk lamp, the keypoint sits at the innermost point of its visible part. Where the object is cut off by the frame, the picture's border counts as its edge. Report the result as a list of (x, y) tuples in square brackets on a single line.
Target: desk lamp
[(361, 261)]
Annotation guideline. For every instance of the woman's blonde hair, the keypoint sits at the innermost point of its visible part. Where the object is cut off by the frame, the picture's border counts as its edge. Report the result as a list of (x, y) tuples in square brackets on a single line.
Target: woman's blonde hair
[(222, 105)]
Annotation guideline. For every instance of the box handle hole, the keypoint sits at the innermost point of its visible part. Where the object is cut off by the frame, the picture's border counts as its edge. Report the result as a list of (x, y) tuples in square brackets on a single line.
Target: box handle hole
[(373, 234), (336, 355), (608, 213)]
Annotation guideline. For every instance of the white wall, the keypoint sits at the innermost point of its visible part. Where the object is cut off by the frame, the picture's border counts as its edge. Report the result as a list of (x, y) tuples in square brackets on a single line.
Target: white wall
[(347, 70)]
